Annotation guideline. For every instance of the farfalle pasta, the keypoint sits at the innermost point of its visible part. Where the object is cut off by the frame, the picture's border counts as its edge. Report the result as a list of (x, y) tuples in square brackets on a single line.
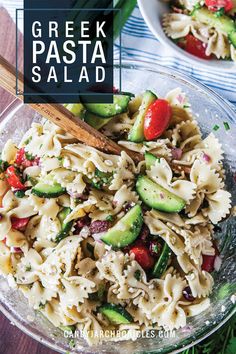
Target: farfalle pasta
[(98, 242), (203, 29)]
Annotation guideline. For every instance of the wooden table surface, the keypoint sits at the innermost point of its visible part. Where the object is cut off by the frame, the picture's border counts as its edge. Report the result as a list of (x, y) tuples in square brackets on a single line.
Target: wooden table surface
[(12, 340)]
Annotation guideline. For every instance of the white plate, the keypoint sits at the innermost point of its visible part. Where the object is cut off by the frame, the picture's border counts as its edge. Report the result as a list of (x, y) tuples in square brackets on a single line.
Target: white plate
[(153, 11)]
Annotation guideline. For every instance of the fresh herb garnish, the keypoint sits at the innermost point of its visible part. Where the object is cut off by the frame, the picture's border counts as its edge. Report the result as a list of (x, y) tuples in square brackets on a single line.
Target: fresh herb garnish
[(42, 306), (226, 125), (137, 274), (3, 165), (27, 141), (61, 160), (109, 218), (28, 268), (19, 194), (101, 179), (29, 156), (220, 12), (216, 127)]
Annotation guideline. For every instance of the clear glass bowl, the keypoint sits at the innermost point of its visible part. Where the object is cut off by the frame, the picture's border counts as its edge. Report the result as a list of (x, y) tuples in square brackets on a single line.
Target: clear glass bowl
[(210, 109)]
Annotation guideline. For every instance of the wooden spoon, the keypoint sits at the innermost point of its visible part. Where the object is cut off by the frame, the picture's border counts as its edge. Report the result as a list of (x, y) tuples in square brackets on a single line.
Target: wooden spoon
[(61, 116)]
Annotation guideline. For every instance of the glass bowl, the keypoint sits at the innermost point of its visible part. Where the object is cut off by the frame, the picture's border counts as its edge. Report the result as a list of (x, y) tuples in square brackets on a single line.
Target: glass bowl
[(210, 109)]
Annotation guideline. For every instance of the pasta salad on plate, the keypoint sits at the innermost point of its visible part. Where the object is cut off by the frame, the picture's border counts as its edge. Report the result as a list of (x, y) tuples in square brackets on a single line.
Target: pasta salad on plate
[(205, 29), (97, 242)]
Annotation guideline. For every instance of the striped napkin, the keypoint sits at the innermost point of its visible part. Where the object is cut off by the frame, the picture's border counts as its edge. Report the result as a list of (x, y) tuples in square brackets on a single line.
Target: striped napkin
[(139, 43)]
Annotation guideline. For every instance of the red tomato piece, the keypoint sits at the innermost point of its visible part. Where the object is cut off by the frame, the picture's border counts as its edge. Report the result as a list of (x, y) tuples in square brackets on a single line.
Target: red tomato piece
[(19, 223), (157, 119), (215, 5), (20, 156), (22, 160), (208, 263), (13, 178), (142, 256), (195, 47)]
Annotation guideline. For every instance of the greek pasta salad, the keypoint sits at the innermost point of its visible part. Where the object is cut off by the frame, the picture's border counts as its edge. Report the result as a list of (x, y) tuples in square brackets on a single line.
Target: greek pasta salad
[(98, 242), (205, 29)]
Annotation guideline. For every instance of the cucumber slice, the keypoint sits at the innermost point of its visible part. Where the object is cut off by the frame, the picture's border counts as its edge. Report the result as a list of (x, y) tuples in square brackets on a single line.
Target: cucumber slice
[(157, 197), (75, 108), (150, 160), (109, 110), (65, 227), (126, 230), (116, 314), (44, 190), (162, 262), (125, 93), (232, 38), (95, 121), (222, 23), (136, 134)]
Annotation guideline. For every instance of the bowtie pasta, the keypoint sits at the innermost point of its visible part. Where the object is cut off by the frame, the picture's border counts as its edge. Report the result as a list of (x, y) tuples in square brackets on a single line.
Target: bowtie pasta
[(98, 242), (205, 29)]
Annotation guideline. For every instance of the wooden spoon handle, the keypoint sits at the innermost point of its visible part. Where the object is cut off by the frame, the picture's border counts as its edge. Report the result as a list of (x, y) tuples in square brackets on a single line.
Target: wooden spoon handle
[(61, 116)]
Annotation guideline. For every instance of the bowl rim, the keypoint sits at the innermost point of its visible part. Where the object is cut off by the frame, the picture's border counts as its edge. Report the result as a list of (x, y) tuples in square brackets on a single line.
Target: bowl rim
[(215, 64), (230, 110)]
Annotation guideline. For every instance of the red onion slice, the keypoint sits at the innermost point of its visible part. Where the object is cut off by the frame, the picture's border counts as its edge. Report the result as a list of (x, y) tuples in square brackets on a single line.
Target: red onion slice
[(206, 158), (176, 153)]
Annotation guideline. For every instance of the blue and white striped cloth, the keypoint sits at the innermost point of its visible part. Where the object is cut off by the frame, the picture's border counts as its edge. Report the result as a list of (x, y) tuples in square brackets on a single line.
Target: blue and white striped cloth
[(139, 43)]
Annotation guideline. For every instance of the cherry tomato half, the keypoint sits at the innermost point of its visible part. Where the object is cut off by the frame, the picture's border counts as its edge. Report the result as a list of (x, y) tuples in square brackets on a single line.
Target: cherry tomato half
[(157, 119), (13, 178), (142, 256), (215, 5), (19, 223), (22, 159), (195, 47)]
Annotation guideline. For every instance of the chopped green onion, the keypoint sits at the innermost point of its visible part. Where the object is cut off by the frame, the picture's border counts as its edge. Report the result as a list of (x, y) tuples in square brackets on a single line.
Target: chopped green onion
[(197, 6), (29, 156), (137, 274), (20, 194), (220, 12), (109, 218), (27, 141), (3, 165), (216, 127), (42, 306), (226, 125)]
